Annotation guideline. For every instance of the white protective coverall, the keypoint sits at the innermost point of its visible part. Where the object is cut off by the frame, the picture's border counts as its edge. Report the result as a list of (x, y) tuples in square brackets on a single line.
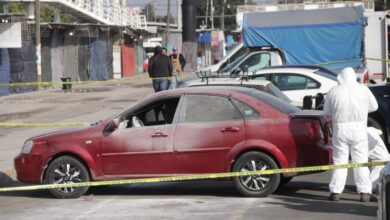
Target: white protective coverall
[(377, 151), (348, 105)]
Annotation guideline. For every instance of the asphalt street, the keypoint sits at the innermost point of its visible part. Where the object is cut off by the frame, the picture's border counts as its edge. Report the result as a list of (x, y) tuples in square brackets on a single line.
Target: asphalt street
[(305, 197)]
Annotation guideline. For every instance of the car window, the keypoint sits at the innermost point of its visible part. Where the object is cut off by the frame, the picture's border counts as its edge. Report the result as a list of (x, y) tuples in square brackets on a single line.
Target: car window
[(273, 90), (247, 111), (203, 108), (274, 102), (293, 82), (262, 77), (230, 66), (326, 73), (256, 62), (155, 113), (236, 55)]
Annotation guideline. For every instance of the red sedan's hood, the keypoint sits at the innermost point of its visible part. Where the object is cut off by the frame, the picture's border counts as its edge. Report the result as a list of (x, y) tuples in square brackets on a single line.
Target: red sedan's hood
[(63, 133)]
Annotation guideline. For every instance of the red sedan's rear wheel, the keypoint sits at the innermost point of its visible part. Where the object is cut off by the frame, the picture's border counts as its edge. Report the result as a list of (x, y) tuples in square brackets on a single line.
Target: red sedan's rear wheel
[(256, 185), (67, 169)]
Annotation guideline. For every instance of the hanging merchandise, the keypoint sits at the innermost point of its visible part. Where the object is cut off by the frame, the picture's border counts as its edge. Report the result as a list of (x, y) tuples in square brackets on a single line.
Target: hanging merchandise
[(71, 54), (83, 58), (23, 67), (109, 60), (98, 65), (128, 63), (46, 59), (5, 71), (57, 57)]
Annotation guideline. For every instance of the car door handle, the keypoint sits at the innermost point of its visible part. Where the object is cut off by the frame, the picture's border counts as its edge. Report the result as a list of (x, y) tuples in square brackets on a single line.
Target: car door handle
[(230, 129), (386, 96), (159, 134)]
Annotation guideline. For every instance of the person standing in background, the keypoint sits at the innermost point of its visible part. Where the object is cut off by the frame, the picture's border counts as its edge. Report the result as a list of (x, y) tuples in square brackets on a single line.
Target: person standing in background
[(178, 62), (160, 70)]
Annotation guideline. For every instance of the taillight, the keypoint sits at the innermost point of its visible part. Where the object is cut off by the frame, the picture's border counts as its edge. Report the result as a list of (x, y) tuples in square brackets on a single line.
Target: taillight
[(366, 78), (314, 128)]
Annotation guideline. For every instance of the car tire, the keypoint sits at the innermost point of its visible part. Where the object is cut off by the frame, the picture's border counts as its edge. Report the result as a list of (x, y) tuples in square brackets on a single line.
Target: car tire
[(66, 169), (256, 185), (374, 123)]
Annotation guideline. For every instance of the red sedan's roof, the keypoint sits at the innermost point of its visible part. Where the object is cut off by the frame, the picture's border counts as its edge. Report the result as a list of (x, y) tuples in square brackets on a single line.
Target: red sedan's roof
[(222, 90)]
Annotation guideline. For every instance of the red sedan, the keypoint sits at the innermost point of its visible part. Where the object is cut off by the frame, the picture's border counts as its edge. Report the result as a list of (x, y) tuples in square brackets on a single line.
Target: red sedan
[(179, 132)]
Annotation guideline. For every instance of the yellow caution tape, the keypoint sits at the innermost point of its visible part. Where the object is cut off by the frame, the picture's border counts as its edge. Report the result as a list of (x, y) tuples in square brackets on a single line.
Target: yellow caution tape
[(114, 81), (344, 61), (193, 177), (9, 124), (377, 59), (336, 62)]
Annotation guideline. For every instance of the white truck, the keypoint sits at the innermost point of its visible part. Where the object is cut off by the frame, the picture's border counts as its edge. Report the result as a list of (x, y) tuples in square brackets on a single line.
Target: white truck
[(376, 45)]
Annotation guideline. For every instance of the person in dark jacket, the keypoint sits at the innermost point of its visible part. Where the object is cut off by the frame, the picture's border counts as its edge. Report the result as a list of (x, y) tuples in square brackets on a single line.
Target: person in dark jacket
[(160, 70)]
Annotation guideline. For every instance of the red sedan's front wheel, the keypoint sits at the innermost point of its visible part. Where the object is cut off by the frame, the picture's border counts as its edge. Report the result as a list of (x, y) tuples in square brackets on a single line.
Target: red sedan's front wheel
[(256, 185), (67, 169)]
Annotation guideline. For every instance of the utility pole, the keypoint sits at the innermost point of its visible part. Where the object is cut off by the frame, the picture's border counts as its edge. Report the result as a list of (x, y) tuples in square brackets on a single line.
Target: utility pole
[(207, 13), (179, 15), (38, 39), (212, 14), (168, 22), (223, 15)]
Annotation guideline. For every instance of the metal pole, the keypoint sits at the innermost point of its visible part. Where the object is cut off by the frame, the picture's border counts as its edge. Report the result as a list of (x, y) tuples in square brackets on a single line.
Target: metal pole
[(207, 12), (179, 15), (223, 15), (168, 22), (38, 39), (212, 15)]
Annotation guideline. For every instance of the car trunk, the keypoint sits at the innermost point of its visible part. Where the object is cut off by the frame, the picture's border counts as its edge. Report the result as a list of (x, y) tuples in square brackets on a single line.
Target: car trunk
[(312, 135)]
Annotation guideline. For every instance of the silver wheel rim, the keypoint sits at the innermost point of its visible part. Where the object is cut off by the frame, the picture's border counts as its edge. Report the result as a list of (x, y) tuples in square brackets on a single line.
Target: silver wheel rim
[(255, 182), (66, 173)]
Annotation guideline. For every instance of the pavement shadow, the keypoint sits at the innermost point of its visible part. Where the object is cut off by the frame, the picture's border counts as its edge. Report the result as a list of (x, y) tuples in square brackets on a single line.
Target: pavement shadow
[(313, 197), (325, 206), (187, 188), (7, 181)]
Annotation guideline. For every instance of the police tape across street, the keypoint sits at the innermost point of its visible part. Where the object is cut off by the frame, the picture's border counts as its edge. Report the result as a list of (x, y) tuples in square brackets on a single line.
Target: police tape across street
[(193, 177)]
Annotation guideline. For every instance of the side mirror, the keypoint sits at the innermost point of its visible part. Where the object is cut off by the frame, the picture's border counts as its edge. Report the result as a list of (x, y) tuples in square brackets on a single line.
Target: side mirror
[(115, 123)]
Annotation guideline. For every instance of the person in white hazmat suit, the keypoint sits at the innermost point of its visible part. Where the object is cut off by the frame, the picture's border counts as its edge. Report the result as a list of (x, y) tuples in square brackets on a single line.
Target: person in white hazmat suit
[(348, 105), (377, 151)]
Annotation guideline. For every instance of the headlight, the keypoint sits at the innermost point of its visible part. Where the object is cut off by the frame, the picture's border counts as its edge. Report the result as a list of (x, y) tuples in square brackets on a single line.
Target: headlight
[(26, 149)]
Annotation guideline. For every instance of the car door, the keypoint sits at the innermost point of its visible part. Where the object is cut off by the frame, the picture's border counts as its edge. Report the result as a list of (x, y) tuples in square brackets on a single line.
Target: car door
[(143, 143), (295, 86), (209, 127)]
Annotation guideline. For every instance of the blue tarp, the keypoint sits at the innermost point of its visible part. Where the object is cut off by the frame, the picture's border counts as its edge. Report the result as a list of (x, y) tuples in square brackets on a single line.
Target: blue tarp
[(100, 58), (23, 67), (309, 36), (5, 71)]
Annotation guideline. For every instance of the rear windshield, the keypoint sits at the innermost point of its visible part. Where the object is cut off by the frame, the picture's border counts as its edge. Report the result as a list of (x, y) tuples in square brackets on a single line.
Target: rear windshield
[(326, 73), (276, 103), (272, 89)]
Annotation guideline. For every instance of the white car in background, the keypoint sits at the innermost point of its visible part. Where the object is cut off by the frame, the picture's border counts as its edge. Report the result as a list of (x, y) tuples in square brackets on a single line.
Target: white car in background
[(262, 85), (296, 82)]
